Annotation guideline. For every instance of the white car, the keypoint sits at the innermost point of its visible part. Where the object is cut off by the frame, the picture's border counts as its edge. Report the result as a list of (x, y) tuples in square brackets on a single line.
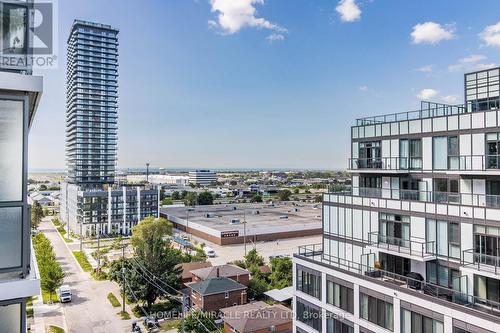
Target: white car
[(64, 294), (209, 252)]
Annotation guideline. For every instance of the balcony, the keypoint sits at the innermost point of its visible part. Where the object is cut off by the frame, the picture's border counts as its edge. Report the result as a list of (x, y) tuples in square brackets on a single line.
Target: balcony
[(481, 262), (435, 293), (411, 249), (386, 163), (480, 200)]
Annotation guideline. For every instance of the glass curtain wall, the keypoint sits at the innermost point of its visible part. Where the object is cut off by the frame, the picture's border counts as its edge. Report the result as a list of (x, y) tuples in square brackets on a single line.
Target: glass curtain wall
[(445, 237), (410, 154), (412, 322), (376, 311), (394, 229)]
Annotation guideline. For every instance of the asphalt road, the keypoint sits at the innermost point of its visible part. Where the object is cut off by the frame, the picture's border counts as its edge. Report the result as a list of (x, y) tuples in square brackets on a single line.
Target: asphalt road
[(89, 311)]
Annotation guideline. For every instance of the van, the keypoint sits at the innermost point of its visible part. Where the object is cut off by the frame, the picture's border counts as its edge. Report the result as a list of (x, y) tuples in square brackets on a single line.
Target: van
[(209, 252), (234, 221), (64, 294)]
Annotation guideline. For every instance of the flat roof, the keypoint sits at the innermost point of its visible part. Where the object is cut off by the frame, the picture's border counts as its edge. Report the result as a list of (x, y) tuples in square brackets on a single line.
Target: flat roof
[(257, 216)]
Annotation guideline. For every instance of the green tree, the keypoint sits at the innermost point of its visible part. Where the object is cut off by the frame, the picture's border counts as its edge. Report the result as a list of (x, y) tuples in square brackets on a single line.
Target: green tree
[(256, 198), (43, 187), (296, 191), (167, 202), (184, 194), (205, 198), (198, 322), (52, 277), (253, 258), (284, 195), (281, 273), (191, 199), (176, 195), (154, 259), (257, 287), (36, 215)]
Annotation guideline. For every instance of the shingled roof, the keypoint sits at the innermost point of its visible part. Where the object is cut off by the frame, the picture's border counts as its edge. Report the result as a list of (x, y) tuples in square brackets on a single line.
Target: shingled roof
[(215, 286), (223, 271)]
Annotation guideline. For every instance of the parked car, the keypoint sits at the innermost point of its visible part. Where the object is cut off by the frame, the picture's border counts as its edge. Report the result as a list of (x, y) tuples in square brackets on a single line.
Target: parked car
[(209, 252), (151, 322)]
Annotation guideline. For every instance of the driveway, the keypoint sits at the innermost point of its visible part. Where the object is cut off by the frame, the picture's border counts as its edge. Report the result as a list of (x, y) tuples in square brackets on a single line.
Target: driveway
[(89, 311)]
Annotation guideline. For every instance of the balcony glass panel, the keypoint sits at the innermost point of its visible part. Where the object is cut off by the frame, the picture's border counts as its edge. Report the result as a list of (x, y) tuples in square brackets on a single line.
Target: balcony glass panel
[(11, 150), (10, 237), (10, 317)]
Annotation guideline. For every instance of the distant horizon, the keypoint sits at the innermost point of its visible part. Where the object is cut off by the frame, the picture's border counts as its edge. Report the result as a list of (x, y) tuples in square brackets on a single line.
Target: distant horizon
[(179, 170)]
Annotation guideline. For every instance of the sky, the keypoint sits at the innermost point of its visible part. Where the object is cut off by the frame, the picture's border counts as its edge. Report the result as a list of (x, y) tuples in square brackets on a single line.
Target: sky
[(267, 83)]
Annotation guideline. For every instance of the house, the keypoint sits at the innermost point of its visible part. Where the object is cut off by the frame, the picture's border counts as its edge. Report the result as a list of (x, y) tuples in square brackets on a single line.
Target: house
[(232, 272), (216, 293), (186, 275), (257, 317)]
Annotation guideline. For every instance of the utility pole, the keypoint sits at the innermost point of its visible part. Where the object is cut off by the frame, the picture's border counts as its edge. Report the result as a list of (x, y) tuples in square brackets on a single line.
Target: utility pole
[(81, 238), (245, 230), (184, 306), (123, 278), (147, 172), (99, 249)]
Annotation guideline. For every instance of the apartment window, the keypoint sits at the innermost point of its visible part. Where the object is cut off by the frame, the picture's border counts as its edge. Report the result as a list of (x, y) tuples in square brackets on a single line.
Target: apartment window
[(369, 155), (445, 153), (309, 282), (11, 317), (460, 330), (487, 289), (442, 275), (410, 154), (487, 244), (482, 90), (412, 322), (376, 311), (443, 238), (336, 326), (394, 264), (14, 29), (445, 190), (394, 229), (370, 186), (309, 314), (10, 237), (11, 145), (492, 150), (340, 296)]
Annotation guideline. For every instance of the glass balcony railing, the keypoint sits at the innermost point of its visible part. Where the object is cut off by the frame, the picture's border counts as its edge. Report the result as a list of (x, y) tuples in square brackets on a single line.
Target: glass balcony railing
[(481, 261), (403, 246), (386, 163), (467, 199), (460, 297)]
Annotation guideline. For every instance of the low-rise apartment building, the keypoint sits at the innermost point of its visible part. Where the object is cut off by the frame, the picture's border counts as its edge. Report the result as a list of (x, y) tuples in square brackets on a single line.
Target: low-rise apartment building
[(414, 245)]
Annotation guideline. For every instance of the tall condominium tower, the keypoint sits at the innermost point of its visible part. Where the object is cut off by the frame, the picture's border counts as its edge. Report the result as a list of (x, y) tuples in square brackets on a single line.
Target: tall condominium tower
[(414, 245), (20, 94), (91, 204), (92, 93)]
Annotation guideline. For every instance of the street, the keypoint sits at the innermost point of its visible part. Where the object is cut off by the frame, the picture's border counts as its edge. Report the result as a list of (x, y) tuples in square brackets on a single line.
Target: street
[(89, 311)]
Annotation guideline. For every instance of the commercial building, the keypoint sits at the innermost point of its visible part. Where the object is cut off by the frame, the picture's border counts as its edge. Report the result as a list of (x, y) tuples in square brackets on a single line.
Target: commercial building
[(235, 223), (20, 93), (90, 202), (202, 177), (414, 245)]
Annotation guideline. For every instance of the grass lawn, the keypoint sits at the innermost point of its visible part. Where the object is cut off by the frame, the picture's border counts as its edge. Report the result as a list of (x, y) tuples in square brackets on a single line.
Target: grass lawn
[(46, 297), (124, 315), (169, 324), (83, 261), (54, 329), (113, 300), (62, 231)]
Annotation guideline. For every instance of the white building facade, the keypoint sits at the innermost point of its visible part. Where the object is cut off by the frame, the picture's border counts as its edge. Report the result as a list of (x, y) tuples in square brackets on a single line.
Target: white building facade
[(202, 177), (414, 245)]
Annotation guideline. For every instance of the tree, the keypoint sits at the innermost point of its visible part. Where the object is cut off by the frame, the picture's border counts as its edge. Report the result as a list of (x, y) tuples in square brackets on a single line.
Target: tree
[(296, 191), (253, 258), (318, 198), (281, 273), (205, 198), (284, 195), (154, 259), (167, 202), (256, 287), (43, 187), (256, 198), (184, 194), (191, 199), (162, 194), (198, 322), (36, 215), (176, 195), (52, 277)]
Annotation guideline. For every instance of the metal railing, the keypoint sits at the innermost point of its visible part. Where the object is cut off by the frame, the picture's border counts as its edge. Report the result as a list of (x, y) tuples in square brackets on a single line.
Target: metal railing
[(482, 200), (386, 163), (414, 248), (481, 261), (427, 110), (313, 252)]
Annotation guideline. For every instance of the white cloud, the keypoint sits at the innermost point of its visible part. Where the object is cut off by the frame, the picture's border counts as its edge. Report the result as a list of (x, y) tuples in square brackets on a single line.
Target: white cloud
[(450, 99), (275, 37), (431, 33), (491, 35), (349, 11), (425, 69), (470, 63), (233, 15), (427, 93), (480, 67), (473, 58), (363, 88)]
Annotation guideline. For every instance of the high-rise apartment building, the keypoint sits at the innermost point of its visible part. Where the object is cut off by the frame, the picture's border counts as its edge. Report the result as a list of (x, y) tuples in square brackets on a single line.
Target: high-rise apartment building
[(92, 94), (91, 202), (414, 245), (20, 94)]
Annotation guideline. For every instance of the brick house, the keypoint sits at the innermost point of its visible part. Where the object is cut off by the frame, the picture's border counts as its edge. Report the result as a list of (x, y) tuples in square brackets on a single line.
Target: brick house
[(257, 317), (186, 275), (216, 293), (232, 272)]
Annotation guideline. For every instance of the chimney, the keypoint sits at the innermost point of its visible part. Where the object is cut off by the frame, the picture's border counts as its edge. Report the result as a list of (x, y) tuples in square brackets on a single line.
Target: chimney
[(243, 297)]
